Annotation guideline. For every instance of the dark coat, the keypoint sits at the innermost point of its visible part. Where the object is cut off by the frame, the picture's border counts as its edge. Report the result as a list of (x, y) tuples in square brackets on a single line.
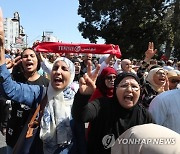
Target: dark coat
[(107, 117), (147, 94)]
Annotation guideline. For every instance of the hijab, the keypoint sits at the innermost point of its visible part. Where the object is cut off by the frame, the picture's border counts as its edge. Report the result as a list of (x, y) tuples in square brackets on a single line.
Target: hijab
[(117, 65), (55, 123), (120, 77), (149, 78), (131, 116), (127, 117), (114, 119), (102, 89)]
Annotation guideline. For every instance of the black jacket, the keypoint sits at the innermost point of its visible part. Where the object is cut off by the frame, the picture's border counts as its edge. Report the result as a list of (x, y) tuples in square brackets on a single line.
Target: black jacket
[(19, 115), (147, 94)]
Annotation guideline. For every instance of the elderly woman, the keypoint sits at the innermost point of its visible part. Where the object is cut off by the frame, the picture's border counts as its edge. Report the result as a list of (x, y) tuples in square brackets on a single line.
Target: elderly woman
[(109, 117), (156, 83), (55, 130)]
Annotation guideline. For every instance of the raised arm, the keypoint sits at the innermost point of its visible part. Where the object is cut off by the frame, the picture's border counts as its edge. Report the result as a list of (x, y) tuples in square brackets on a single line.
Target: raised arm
[(19, 92), (87, 83), (45, 65), (150, 52), (82, 110)]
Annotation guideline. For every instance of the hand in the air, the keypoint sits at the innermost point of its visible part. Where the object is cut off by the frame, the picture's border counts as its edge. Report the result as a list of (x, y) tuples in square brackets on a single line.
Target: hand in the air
[(150, 51), (87, 83)]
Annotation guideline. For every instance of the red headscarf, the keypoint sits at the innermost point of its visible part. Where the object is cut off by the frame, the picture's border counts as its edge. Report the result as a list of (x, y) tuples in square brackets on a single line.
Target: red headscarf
[(102, 89)]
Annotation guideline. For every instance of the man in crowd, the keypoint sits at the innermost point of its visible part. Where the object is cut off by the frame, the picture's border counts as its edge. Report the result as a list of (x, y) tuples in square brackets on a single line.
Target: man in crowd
[(165, 109)]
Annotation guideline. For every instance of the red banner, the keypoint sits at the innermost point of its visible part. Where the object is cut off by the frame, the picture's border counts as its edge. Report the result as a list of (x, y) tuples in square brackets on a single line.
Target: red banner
[(58, 47)]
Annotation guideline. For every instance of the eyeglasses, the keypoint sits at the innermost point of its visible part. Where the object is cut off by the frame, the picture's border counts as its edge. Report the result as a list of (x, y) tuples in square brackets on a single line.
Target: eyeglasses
[(161, 73), (125, 86), (111, 77), (174, 81)]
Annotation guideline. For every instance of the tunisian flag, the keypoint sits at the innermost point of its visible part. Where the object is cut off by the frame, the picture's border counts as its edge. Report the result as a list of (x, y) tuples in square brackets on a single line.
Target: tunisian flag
[(58, 47)]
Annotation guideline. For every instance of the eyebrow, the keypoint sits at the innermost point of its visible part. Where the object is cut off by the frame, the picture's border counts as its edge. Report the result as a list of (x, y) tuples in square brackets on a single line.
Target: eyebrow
[(129, 83)]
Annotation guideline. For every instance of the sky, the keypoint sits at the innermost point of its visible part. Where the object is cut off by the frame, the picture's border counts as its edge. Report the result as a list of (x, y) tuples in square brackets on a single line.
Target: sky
[(36, 16)]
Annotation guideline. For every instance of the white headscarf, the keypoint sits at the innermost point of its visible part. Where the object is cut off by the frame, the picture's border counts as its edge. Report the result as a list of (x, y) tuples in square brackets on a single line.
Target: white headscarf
[(150, 79), (55, 123), (71, 66), (117, 66)]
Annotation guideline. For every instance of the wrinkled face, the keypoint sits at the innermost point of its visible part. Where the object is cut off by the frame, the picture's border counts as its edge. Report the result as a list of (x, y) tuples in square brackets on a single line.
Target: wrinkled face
[(128, 92), (60, 75), (109, 80), (160, 77), (126, 65), (29, 61)]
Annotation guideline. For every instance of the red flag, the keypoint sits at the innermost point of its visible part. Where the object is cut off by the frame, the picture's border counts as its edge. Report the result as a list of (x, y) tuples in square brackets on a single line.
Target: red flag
[(58, 47)]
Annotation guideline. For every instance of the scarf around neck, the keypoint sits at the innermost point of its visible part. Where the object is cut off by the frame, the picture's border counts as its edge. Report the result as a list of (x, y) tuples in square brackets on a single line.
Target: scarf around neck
[(55, 122)]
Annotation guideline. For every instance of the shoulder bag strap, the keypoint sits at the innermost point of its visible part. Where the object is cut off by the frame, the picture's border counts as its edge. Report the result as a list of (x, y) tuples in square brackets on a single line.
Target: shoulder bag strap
[(34, 123)]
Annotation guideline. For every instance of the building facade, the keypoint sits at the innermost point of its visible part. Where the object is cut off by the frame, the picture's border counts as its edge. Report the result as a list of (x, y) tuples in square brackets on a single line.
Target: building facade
[(11, 33)]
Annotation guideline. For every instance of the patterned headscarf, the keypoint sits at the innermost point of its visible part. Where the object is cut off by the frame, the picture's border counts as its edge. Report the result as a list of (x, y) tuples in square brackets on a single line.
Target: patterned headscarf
[(55, 123)]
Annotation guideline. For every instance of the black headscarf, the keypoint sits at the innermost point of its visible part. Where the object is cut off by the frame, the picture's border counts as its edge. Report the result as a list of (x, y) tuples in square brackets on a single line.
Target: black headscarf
[(120, 77), (128, 116), (115, 119)]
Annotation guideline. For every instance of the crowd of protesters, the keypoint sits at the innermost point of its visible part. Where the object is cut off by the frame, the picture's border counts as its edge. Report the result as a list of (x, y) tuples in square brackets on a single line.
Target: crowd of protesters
[(88, 99)]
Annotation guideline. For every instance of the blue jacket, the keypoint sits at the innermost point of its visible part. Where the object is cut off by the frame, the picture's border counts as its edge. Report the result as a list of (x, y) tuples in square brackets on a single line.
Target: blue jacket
[(22, 93)]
